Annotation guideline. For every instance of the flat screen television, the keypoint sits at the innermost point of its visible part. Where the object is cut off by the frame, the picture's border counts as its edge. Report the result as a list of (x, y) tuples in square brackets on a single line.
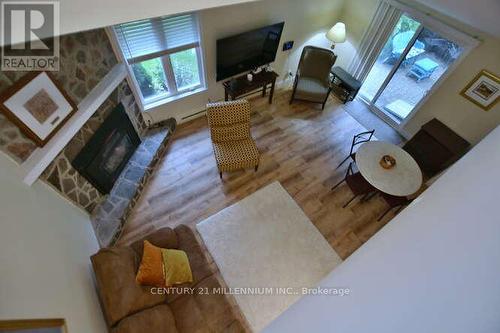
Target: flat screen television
[(243, 52)]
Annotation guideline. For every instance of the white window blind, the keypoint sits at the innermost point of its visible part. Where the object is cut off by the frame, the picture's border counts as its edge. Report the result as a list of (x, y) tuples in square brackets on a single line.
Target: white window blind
[(145, 39)]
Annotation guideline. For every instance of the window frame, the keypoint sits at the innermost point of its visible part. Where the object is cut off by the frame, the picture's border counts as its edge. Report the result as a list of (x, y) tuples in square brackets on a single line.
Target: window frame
[(173, 92)]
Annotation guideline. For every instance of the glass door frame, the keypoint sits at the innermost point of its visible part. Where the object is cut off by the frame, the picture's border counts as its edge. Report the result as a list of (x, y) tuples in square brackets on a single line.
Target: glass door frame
[(468, 43)]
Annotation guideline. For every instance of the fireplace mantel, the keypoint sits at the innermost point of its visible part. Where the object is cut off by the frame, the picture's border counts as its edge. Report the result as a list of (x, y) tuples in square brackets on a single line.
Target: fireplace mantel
[(34, 166)]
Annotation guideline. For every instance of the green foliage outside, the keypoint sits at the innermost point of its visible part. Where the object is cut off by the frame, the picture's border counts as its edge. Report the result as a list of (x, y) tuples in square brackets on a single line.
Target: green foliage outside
[(406, 24), (151, 78), (149, 75), (185, 66)]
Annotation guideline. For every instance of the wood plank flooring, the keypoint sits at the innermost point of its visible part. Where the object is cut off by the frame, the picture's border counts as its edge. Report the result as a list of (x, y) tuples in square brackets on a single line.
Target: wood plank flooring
[(300, 147)]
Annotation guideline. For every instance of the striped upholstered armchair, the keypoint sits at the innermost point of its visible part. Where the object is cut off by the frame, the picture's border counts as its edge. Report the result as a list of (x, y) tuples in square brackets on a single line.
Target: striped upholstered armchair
[(234, 147)]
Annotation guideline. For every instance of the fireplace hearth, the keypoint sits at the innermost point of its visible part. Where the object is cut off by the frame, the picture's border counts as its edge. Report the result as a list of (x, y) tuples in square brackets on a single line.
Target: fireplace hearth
[(106, 154)]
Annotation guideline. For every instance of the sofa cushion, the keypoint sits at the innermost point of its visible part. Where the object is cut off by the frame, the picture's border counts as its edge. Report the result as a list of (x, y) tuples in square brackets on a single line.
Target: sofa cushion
[(188, 243), (115, 269), (151, 271), (200, 268), (165, 238), (235, 327), (176, 267), (158, 319), (214, 304), (188, 316), (207, 310)]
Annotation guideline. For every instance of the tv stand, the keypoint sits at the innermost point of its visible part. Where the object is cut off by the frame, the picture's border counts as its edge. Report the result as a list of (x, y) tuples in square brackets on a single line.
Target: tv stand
[(239, 87)]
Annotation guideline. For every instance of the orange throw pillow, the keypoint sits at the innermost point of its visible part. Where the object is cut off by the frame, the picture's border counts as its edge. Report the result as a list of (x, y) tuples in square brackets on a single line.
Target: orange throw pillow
[(151, 272)]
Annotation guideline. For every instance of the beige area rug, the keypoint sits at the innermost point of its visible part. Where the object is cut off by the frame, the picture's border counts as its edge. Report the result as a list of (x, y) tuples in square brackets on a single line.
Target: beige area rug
[(266, 241)]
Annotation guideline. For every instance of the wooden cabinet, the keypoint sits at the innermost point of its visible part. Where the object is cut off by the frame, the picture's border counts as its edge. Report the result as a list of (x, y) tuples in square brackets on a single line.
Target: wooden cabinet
[(435, 147)]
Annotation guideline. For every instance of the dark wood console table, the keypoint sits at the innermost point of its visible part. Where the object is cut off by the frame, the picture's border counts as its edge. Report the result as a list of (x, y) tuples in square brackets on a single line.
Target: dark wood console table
[(435, 147), (240, 87)]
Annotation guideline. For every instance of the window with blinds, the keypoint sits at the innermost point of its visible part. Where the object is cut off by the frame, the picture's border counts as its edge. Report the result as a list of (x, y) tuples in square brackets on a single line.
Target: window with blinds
[(163, 55)]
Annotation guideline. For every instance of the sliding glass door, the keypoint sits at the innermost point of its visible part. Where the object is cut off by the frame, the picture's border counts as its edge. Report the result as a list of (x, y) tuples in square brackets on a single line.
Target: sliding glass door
[(414, 58)]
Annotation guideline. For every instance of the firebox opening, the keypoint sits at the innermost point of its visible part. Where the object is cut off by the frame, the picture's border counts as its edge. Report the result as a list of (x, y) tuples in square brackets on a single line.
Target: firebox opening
[(108, 151)]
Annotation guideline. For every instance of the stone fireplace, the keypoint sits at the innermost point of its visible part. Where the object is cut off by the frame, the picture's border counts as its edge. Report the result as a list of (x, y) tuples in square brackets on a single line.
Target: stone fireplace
[(106, 154), (110, 178)]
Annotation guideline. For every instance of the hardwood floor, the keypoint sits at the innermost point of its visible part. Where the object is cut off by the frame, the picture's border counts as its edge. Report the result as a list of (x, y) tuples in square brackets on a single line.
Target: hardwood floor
[(300, 147)]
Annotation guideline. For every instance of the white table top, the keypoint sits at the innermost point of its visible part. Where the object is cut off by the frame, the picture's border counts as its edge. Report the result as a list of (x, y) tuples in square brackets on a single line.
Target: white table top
[(402, 180)]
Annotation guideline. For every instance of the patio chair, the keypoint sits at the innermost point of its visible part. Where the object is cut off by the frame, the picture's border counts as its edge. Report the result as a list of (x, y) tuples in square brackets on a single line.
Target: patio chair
[(422, 69), (357, 140), (312, 81), (399, 43), (399, 108), (358, 185)]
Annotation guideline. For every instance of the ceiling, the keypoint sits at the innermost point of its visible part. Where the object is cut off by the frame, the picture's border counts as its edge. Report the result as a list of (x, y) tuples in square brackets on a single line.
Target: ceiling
[(78, 15), (483, 15), (81, 15)]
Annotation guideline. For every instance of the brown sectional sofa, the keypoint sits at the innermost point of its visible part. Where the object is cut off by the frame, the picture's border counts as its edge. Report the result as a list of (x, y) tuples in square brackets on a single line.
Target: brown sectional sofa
[(131, 308)]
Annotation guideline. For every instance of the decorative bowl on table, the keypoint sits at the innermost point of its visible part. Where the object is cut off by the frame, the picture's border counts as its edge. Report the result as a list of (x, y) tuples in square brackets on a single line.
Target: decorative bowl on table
[(387, 162)]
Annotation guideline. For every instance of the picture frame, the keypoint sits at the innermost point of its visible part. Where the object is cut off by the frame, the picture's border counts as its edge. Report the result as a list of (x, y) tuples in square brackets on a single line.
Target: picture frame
[(33, 326), (483, 90), (38, 105)]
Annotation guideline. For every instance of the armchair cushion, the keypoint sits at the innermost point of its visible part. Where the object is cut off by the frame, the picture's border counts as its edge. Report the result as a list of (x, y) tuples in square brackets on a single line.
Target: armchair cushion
[(235, 155), (316, 63), (311, 89), (233, 132)]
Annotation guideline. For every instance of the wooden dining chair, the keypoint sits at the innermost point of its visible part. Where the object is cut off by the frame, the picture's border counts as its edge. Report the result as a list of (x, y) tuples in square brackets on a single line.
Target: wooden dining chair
[(393, 202), (358, 185), (357, 140)]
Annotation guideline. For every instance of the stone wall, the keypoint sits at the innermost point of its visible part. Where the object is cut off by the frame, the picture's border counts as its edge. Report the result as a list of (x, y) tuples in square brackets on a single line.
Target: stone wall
[(63, 177), (86, 58)]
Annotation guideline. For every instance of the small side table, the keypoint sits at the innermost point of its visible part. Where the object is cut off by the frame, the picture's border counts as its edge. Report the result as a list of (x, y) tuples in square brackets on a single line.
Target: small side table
[(344, 86), (240, 87)]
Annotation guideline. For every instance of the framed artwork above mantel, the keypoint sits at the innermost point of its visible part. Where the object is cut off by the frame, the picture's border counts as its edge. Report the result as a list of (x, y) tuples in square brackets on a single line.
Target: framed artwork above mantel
[(38, 105)]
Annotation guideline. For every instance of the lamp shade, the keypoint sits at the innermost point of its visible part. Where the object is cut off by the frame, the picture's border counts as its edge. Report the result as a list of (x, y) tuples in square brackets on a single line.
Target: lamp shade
[(337, 33)]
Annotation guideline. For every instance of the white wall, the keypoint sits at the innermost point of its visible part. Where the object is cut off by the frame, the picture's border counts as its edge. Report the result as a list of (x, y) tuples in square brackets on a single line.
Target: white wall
[(45, 245), (483, 15), (305, 22), (433, 268)]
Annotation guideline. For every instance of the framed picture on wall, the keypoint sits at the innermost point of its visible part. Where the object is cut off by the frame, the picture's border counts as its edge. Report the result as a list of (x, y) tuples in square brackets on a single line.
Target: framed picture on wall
[(33, 326), (38, 105), (483, 90)]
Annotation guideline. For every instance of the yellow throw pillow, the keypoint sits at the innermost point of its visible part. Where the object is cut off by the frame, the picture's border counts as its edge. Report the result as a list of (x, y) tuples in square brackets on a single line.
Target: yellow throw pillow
[(151, 272), (176, 266)]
